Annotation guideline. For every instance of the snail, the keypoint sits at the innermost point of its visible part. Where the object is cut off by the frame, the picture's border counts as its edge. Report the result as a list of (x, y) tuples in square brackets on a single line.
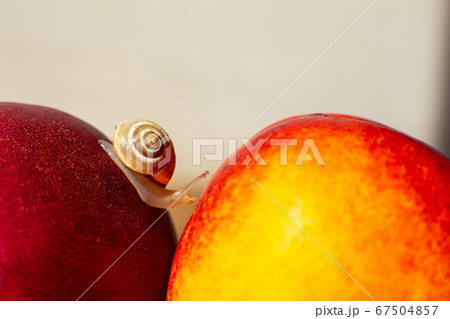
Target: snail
[(145, 154)]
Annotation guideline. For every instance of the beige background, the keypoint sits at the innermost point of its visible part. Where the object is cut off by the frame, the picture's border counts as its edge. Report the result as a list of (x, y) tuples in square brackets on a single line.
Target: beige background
[(225, 62)]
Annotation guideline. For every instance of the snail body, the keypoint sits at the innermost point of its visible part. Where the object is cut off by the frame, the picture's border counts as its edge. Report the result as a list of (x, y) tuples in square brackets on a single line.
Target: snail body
[(145, 154)]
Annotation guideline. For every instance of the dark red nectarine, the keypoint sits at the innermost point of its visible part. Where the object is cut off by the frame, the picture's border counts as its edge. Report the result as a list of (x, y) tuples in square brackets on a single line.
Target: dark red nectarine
[(67, 212)]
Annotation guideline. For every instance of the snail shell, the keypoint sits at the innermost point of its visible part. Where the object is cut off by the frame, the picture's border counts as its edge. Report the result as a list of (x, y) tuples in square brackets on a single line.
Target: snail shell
[(145, 154), (145, 148)]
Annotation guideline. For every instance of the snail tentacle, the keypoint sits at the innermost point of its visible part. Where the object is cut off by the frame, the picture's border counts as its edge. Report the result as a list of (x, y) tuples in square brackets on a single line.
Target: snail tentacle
[(153, 194)]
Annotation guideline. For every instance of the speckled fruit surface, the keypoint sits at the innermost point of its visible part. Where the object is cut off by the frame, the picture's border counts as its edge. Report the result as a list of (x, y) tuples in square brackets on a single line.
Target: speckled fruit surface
[(67, 213), (379, 207)]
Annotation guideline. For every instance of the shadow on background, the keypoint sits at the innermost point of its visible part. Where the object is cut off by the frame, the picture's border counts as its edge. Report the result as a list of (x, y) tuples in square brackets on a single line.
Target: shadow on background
[(444, 129)]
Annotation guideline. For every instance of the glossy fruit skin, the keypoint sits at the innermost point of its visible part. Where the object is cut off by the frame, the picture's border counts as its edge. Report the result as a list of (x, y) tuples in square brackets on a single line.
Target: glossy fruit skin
[(379, 207), (67, 213)]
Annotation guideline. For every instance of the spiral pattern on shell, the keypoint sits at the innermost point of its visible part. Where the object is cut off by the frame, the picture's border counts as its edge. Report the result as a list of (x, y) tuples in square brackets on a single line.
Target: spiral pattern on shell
[(143, 146)]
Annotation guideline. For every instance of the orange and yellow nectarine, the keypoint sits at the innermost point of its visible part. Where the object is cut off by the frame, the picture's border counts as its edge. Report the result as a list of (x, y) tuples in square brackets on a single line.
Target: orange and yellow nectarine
[(372, 222)]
